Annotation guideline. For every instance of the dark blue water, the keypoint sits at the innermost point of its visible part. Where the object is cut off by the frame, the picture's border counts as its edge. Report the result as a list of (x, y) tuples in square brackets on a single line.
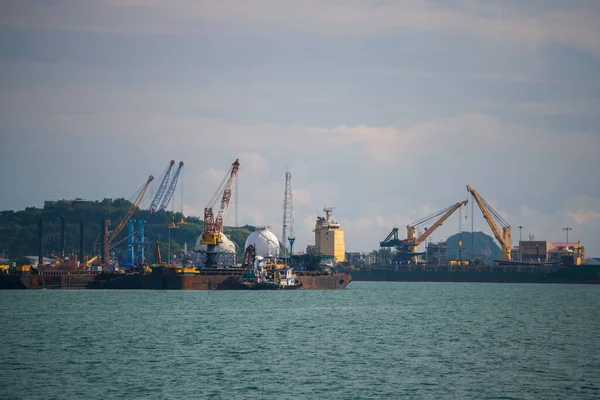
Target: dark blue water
[(372, 340)]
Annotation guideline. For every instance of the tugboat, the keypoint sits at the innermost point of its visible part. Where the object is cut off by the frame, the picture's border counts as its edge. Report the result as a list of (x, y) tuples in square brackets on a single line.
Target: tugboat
[(286, 278), (267, 276)]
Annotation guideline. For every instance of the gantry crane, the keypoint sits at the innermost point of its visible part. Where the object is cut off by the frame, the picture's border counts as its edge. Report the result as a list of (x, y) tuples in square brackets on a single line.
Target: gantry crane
[(162, 187), (110, 239), (489, 214), (406, 250), (171, 190), (211, 236)]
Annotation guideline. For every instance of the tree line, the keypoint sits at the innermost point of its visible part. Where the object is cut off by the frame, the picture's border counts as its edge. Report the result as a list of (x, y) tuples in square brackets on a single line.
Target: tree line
[(19, 230)]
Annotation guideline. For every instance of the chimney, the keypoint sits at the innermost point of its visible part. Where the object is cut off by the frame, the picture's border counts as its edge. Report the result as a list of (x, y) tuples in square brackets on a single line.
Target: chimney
[(63, 237), (81, 242), (41, 251), (103, 234)]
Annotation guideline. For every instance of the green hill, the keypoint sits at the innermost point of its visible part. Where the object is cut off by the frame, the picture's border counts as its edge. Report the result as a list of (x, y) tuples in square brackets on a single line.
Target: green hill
[(485, 247), (19, 229)]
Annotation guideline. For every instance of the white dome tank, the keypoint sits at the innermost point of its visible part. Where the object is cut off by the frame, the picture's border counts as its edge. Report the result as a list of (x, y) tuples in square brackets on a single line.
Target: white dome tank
[(226, 246), (265, 242)]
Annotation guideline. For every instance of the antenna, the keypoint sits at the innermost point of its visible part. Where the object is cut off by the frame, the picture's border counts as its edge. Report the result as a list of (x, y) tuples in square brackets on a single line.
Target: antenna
[(288, 209), (567, 228)]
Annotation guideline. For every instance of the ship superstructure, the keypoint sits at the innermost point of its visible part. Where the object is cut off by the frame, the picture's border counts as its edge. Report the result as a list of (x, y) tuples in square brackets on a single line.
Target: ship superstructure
[(329, 237)]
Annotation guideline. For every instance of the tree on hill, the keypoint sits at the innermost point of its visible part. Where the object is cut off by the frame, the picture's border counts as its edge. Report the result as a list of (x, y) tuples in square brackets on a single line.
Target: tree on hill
[(19, 230), (486, 249)]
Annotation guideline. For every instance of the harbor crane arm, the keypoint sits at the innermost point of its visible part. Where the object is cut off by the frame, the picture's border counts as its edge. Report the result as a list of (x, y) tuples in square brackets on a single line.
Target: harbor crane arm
[(488, 212), (212, 225), (133, 207), (447, 212), (391, 240), (171, 190), (162, 187)]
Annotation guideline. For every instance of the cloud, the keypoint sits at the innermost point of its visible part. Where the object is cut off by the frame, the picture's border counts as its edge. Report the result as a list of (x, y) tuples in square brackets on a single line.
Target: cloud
[(562, 108), (582, 217), (376, 177), (575, 26), (384, 110)]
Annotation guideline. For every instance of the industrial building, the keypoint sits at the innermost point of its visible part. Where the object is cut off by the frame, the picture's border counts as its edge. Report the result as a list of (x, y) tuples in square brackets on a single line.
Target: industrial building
[(567, 253), (329, 238), (533, 251)]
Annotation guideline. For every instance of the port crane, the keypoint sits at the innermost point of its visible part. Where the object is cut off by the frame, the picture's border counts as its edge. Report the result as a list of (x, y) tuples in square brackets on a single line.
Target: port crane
[(406, 250), (504, 238), (171, 189), (211, 236), (162, 187), (109, 239)]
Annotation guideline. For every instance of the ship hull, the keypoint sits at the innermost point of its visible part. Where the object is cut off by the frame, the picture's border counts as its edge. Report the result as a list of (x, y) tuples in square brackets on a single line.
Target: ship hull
[(584, 274), (221, 280)]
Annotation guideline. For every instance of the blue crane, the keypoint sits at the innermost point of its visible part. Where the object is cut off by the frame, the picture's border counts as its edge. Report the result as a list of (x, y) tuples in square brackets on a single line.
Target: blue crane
[(171, 190), (163, 186), (130, 241), (140, 242)]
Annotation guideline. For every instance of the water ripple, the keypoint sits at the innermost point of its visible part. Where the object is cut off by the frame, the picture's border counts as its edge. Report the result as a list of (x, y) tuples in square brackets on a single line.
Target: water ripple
[(370, 341)]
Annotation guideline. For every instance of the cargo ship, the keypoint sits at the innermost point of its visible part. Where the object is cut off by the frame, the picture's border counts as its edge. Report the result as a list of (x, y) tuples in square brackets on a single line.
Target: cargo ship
[(579, 274)]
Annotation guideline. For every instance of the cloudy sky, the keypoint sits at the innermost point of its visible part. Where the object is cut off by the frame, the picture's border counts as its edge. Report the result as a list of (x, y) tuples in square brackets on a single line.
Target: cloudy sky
[(385, 110)]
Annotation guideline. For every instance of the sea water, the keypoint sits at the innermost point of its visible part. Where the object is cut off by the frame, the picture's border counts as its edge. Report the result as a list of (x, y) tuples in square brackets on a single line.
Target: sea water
[(374, 340)]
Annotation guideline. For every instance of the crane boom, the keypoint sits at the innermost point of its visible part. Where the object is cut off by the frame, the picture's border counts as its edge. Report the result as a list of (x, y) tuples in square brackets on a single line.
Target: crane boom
[(212, 225), (503, 238), (436, 225), (171, 190), (135, 204), (162, 187)]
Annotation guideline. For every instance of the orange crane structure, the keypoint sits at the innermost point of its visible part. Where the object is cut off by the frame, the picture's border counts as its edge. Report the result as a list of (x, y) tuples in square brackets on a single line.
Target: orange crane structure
[(109, 239), (211, 236), (504, 238), (406, 250)]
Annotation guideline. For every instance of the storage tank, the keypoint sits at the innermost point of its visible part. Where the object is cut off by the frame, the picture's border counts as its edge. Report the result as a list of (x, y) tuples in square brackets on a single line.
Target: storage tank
[(265, 242), (226, 248)]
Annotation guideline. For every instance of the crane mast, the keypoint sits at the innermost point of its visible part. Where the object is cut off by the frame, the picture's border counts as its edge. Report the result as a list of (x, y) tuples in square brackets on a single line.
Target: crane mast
[(504, 238), (162, 187), (212, 225), (171, 190)]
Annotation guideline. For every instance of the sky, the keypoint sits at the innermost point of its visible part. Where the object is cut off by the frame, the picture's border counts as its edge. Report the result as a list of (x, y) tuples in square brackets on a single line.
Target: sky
[(385, 110)]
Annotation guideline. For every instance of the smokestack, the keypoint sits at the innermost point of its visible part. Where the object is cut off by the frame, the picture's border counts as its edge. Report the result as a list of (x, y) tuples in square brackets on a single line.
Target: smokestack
[(41, 251), (63, 237), (81, 242), (102, 241)]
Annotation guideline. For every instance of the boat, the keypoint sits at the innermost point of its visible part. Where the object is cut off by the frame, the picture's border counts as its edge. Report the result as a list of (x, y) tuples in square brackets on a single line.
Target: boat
[(163, 277), (522, 273)]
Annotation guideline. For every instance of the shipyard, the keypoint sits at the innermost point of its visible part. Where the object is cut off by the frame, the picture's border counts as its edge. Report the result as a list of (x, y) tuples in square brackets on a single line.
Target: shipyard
[(212, 265), (269, 262)]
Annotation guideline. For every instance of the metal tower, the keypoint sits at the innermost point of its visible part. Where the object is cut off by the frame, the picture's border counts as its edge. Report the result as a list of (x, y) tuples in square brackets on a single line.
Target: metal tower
[(131, 241), (288, 212)]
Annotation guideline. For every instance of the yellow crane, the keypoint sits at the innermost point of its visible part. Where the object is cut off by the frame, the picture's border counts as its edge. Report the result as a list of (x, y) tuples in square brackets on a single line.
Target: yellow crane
[(211, 236), (504, 238), (407, 249)]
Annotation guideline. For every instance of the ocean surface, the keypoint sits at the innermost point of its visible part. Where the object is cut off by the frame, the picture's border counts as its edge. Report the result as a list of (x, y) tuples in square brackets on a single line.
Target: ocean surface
[(374, 340)]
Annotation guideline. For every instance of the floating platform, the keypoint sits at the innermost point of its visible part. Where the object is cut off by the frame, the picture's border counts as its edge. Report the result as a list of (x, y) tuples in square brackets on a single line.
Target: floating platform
[(213, 279)]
